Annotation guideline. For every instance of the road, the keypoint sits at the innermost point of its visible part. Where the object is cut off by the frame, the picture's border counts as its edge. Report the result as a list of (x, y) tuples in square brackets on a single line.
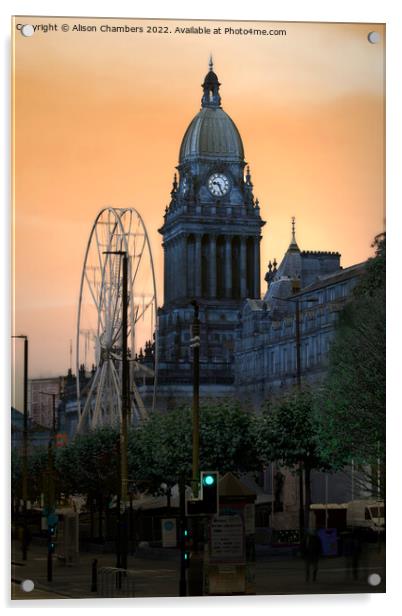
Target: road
[(158, 575)]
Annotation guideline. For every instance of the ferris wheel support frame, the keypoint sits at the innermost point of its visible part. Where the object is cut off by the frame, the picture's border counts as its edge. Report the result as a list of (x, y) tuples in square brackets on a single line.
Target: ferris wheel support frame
[(118, 213)]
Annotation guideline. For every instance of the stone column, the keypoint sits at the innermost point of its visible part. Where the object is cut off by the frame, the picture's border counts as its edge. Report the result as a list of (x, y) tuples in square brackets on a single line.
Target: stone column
[(228, 266), (212, 266), (197, 266), (183, 266), (256, 264), (165, 274), (173, 278), (243, 268)]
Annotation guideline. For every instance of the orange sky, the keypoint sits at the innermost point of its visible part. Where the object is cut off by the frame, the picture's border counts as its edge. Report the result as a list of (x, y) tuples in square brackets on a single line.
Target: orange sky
[(99, 118)]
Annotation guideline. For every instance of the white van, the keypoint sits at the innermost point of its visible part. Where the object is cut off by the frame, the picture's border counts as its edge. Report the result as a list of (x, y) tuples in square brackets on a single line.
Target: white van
[(366, 513)]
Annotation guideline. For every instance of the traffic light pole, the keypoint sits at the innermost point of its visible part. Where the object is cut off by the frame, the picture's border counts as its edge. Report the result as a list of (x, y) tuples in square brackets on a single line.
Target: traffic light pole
[(24, 543), (125, 412), (25, 455), (182, 542), (50, 511), (195, 574), (196, 400), (298, 381), (121, 514)]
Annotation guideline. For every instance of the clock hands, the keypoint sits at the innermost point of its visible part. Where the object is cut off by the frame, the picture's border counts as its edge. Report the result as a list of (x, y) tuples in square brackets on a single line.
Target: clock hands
[(220, 184)]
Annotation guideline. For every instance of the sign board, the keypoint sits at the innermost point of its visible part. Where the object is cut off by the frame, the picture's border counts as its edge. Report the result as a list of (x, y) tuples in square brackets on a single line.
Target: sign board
[(227, 539), (169, 536)]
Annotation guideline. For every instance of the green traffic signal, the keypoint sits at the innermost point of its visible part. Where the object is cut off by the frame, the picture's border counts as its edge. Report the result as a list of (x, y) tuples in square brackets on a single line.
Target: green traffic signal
[(209, 480)]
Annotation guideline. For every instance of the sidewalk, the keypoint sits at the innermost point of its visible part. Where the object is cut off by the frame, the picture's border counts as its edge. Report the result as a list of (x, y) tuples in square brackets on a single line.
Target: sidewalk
[(152, 578)]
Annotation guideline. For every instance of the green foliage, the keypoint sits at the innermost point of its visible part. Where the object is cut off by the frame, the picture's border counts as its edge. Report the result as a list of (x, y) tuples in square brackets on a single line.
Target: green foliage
[(353, 399), (228, 438), (90, 464), (161, 448), (288, 432), (37, 467)]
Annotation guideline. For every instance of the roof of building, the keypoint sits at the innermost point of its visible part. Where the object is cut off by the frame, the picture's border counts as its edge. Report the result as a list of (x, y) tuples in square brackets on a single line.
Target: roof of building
[(211, 132), (334, 278)]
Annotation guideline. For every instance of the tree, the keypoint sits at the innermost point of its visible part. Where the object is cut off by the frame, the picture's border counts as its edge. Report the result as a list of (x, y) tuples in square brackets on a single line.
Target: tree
[(353, 397), (288, 433), (161, 448), (90, 465), (227, 440)]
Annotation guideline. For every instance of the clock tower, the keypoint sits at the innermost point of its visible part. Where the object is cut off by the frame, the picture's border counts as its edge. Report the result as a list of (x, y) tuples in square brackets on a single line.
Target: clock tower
[(211, 239)]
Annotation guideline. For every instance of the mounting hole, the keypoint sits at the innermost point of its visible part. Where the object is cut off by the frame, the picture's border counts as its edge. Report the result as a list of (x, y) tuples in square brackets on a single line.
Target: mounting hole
[(373, 37), (27, 585), (27, 30), (374, 579)]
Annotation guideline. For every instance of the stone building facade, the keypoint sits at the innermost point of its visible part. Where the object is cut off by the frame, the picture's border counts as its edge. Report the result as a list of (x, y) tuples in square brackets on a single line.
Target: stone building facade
[(211, 240), (265, 349)]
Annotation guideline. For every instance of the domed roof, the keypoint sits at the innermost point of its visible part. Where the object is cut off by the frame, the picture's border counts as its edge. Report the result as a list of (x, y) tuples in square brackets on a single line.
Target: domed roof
[(212, 133)]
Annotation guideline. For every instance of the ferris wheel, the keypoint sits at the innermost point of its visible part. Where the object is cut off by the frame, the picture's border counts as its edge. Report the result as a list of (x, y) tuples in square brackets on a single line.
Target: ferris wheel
[(99, 344)]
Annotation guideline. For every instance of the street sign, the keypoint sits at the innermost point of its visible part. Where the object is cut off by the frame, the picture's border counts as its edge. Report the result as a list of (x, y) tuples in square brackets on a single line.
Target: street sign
[(169, 536)]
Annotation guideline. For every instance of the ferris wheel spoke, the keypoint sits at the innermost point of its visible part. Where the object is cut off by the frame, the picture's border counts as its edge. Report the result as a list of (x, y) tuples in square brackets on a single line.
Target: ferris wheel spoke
[(94, 298), (138, 402), (137, 265), (144, 309), (98, 249), (87, 404), (98, 397)]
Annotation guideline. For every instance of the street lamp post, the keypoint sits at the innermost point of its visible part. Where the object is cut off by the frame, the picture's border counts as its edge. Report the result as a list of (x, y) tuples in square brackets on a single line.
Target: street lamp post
[(125, 410), (50, 489), (297, 301), (25, 450)]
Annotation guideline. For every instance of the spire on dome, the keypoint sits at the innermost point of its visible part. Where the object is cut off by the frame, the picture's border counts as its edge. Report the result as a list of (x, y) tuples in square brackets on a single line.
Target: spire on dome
[(211, 97)]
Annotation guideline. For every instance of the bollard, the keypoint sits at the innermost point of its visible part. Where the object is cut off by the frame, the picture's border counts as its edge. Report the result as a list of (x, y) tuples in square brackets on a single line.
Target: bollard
[(94, 576)]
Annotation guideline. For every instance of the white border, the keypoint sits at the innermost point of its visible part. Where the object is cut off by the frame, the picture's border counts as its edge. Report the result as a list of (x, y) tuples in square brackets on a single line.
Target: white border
[(292, 10)]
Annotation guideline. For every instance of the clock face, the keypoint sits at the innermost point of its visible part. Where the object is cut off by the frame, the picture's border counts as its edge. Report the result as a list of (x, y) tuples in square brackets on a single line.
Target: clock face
[(218, 184)]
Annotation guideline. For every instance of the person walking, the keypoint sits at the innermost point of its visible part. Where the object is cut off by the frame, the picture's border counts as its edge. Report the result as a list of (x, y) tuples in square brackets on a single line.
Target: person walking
[(312, 553)]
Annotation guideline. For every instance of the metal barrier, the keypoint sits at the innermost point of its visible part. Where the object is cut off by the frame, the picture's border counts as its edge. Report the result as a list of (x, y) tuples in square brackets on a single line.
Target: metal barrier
[(114, 583)]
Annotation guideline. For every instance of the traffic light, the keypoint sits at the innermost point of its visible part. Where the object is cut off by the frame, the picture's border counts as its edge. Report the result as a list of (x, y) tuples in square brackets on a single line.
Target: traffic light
[(209, 487), (51, 537), (208, 503), (187, 546)]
